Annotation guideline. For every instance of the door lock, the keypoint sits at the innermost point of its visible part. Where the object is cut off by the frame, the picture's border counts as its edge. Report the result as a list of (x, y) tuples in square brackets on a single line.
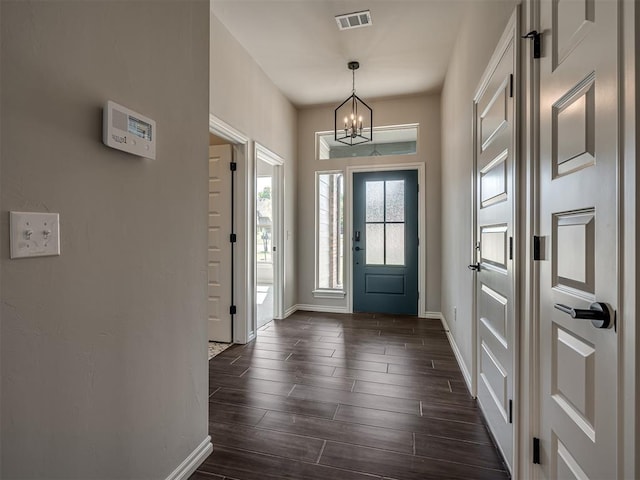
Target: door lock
[(474, 266)]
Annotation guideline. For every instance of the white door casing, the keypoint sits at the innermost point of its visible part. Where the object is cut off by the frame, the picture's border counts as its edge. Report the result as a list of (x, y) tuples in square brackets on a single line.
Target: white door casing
[(495, 155), (219, 247), (579, 228)]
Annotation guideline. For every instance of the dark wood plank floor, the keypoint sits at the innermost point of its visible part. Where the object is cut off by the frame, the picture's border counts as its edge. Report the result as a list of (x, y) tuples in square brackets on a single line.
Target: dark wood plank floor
[(342, 397)]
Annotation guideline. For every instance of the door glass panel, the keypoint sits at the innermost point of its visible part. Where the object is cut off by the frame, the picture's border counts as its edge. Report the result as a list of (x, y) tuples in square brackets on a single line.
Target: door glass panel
[(394, 208), (395, 243), (374, 247), (374, 202)]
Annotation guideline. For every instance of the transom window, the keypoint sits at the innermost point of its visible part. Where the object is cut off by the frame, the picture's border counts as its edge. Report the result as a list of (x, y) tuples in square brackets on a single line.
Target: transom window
[(392, 140), (384, 222)]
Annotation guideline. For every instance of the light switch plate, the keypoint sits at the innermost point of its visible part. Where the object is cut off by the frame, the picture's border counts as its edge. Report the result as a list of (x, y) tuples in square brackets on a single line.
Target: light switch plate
[(34, 234)]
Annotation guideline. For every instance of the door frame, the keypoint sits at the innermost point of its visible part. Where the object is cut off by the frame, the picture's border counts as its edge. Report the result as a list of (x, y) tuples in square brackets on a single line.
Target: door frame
[(630, 150), (529, 407), (348, 222), (262, 153), (243, 321), (511, 35)]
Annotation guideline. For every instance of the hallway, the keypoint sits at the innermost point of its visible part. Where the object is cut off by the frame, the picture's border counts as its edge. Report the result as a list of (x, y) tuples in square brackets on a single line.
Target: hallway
[(322, 396)]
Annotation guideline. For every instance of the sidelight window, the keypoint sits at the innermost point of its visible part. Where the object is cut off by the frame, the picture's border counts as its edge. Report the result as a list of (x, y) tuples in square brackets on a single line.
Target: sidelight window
[(330, 238)]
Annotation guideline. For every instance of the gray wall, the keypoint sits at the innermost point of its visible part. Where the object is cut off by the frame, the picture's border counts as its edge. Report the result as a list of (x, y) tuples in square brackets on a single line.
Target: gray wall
[(245, 98), (478, 37), (422, 109), (104, 370)]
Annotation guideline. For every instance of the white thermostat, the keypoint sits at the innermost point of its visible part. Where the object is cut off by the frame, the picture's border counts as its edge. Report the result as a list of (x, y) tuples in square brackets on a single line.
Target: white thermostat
[(128, 131)]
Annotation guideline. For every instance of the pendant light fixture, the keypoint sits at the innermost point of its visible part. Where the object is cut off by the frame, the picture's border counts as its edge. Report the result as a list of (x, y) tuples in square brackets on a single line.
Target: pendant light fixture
[(353, 121)]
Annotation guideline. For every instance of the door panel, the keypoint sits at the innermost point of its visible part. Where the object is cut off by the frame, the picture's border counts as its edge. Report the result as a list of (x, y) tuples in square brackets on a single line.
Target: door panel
[(219, 323), (495, 291), (385, 257), (578, 220)]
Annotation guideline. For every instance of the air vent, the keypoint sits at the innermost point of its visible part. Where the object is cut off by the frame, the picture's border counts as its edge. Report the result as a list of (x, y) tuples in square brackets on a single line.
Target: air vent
[(354, 20)]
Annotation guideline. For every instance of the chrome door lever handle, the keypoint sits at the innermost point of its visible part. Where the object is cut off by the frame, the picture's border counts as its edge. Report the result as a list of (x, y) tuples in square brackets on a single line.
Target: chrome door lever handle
[(598, 313), (474, 266)]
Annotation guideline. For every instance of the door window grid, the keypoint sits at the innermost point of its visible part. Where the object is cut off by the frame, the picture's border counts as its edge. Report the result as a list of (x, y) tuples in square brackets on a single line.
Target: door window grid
[(384, 222)]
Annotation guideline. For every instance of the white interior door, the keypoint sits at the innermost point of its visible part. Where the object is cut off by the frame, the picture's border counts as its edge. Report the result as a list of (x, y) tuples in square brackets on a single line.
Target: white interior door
[(495, 142), (219, 267), (579, 225)]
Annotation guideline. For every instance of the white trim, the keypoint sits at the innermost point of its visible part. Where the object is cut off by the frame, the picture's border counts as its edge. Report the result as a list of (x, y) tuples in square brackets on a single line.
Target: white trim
[(290, 311), (193, 461), (263, 154), (629, 412), (433, 315), (222, 129), (348, 222), (527, 412), (321, 308), (267, 155), (243, 329), (245, 199), (457, 353), (327, 293)]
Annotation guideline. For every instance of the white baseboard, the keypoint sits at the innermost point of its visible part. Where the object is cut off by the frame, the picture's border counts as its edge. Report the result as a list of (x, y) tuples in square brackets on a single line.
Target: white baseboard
[(321, 308), (457, 353), (193, 461), (436, 315), (290, 311)]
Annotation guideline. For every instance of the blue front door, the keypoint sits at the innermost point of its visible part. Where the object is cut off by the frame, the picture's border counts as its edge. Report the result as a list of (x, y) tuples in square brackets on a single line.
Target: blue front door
[(385, 242)]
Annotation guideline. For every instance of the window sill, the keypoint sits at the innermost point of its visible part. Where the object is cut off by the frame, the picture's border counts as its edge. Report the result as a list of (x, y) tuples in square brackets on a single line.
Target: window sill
[(329, 293)]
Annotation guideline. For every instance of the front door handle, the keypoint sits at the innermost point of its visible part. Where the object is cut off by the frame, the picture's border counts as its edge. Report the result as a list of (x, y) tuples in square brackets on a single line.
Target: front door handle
[(474, 266), (598, 313), (357, 249)]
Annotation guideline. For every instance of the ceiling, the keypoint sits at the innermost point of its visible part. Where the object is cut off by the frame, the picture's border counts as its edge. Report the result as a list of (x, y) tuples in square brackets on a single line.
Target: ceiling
[(298, 44)]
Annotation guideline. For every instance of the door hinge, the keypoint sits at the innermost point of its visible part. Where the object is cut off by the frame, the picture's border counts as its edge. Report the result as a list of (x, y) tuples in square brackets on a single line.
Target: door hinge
[(233, 238), (536, 451), (535, 36), (510, 411), (510, 248), (233, 166), (536, 248), (232, 310), (511, 85)]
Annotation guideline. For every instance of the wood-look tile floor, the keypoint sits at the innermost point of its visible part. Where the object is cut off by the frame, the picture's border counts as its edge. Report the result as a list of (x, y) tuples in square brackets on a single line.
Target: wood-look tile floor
[(345, 397)]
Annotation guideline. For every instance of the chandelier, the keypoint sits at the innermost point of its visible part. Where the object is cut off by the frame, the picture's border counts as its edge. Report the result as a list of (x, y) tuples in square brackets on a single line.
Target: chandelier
[(353, 121)]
